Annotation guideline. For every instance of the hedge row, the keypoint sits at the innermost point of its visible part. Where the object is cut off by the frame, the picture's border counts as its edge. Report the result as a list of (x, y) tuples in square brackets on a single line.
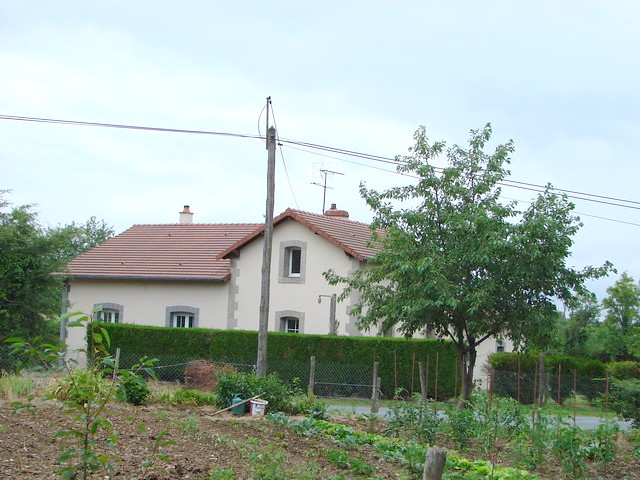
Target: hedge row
[(514, 375), (398, 358)]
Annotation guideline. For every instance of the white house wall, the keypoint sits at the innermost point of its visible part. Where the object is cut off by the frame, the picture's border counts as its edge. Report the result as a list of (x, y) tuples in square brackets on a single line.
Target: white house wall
[(146, 302), (292, 299)]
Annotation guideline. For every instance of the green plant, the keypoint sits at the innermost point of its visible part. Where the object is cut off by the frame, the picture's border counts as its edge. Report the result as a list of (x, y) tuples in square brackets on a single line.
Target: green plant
[(218, 473), (568, 447), (156, 451), (460, 424), (88, 443), (347, 462), (625, 400), (415, 419), (190, 425), (134, 389), (189, 397), (270, 388)]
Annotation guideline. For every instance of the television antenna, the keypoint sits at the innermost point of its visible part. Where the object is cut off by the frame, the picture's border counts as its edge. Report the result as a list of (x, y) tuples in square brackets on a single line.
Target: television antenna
[(325, 173)]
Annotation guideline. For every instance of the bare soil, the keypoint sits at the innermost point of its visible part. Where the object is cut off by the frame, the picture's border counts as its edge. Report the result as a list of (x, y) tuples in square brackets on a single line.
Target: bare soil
[(234, 447)]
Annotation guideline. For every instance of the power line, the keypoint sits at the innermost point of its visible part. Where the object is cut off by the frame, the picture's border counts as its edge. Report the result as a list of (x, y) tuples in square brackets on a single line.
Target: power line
[(510, 183), (122, 126)]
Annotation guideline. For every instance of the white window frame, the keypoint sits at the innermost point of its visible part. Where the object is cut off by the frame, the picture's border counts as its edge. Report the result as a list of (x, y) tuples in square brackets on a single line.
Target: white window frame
[(286, 274), (285, 316), (109, 312), (174, 312)]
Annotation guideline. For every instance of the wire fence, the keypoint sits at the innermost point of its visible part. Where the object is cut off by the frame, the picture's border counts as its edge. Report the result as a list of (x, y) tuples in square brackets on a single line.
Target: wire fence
[(333, 379)]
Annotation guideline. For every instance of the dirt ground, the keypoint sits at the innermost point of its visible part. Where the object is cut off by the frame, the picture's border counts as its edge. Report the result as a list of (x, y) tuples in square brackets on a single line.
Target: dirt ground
[(28, 449), (232, 447)]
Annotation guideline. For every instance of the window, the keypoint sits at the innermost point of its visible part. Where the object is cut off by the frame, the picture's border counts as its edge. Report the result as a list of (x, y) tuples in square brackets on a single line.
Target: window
[(290, 321), (499, 346), (182, 316), (292, 263), (181, 320), (290, 324), (294, 255), (108, 312)]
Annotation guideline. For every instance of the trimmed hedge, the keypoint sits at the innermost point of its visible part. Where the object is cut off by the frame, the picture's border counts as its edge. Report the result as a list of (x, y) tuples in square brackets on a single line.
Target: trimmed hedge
[(398, 357), (591, 375)]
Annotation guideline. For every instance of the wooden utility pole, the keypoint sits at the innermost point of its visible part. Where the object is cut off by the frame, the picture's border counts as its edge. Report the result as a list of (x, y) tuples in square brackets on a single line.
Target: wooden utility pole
[(263, 327)]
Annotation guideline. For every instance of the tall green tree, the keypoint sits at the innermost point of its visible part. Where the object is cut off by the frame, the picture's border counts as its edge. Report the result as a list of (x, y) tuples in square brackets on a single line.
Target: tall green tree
[(622, 318), (575, 330), (460, 262), (30, 295)]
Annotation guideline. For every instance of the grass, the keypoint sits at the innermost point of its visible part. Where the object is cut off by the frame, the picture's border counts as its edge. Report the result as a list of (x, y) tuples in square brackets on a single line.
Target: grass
[(14, 387)]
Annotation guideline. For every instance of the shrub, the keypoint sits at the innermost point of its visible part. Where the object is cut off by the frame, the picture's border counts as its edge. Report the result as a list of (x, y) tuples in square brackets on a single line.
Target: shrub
[(270, 388), (134, 390), (624, 370), (625, 400), (203, 375)]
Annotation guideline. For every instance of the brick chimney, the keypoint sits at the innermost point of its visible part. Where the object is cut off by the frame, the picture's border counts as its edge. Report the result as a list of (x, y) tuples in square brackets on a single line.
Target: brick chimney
[(334, 212), (185, 215)]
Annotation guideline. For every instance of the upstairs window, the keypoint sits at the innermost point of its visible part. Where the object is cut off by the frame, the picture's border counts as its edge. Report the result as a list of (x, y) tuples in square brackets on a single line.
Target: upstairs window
[(108, 312), (293, 258), (292, 262)]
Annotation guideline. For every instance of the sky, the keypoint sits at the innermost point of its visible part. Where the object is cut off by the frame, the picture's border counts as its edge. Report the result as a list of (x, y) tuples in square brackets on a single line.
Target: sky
[(561, 79)]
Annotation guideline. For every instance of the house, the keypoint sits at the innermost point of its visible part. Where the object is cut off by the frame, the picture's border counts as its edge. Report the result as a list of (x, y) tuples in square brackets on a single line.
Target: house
[(209, 275)]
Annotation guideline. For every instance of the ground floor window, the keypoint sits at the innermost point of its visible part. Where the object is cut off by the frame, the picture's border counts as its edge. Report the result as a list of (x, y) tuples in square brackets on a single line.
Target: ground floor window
[(181, 320), (108, 312), (290, 324), (182, 316)]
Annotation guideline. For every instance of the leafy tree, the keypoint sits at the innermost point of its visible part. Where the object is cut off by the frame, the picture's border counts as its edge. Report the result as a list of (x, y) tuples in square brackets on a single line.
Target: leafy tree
[(457, 261), (29, 294), (575, 331), (75, 239), (622, 305)]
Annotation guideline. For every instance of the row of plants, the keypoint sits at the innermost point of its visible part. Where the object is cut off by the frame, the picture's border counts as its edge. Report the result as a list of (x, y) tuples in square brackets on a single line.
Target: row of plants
[(502, 428)]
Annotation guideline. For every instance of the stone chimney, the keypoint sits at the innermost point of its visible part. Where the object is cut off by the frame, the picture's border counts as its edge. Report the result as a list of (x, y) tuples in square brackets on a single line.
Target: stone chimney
[(185, 215), (334, 212)]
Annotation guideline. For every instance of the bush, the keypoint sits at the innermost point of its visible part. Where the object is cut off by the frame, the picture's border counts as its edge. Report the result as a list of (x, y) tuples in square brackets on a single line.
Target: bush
[(270, 388), (624, 370), (134, 390), (625, 400)]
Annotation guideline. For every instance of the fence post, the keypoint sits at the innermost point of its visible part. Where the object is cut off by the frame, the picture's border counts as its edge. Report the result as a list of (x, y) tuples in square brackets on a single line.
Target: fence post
[(312, 378), (541, 381), (436, 383), (434, 464), (375, 392), (559, 382), (395, 372), (413, 371), (423, 381)]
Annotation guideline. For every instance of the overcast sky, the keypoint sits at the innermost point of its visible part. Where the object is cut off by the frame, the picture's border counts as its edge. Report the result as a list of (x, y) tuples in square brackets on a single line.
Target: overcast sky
[(562, 79)]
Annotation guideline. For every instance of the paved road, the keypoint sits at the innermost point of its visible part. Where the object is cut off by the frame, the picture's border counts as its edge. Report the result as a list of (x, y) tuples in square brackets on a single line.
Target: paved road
[(586, 423)]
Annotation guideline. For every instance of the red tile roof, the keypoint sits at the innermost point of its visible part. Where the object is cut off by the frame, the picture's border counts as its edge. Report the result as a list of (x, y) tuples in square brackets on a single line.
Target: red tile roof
[(352, 237), (202, 251), (163, 252)]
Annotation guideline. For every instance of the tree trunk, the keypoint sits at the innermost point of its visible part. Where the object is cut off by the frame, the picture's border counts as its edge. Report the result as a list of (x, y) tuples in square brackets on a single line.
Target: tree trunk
[(468, 360)]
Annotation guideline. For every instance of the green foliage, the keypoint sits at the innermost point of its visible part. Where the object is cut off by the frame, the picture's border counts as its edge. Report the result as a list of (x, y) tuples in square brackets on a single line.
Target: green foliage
[(461, 262), (89, 440), (345, 461), (624, 370), (270, 388), (173, 345), (624, 399), (134, 389), (190, 397), (506, 366), (414, 419), (30, 295)]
